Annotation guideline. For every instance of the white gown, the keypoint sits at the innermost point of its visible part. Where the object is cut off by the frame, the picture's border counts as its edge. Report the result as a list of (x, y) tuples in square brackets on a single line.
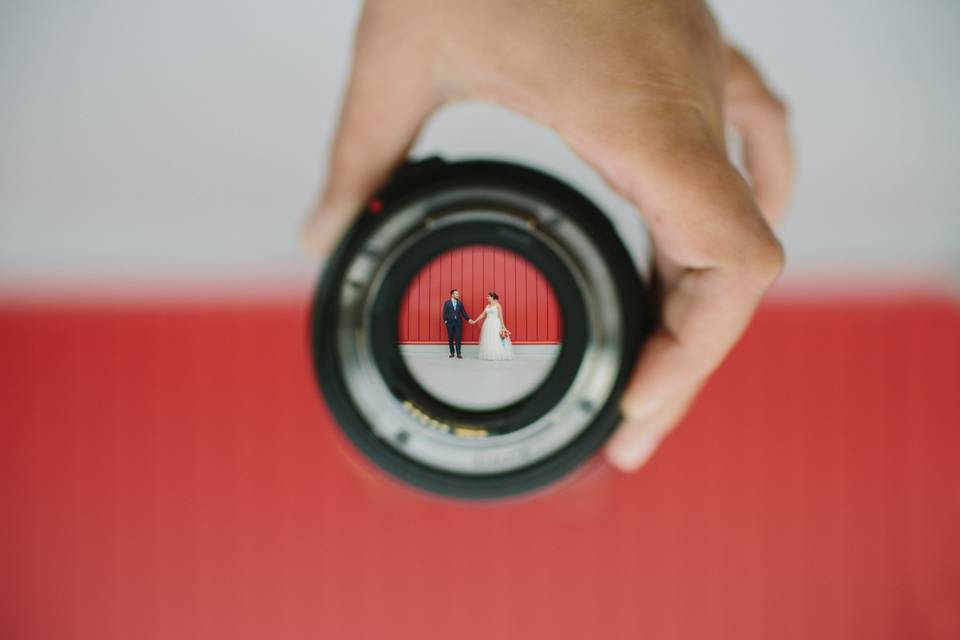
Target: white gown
[(492, 346)]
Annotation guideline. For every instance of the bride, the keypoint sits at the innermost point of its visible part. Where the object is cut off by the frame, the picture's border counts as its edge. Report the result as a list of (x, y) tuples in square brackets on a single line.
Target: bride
[(495, 341)]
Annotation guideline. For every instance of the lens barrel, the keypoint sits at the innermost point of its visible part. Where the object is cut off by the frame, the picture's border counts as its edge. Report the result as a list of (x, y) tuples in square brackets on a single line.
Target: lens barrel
[(430, 207)]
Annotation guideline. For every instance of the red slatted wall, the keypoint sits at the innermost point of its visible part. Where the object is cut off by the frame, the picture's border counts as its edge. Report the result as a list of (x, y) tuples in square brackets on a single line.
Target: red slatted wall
[(529, 304)]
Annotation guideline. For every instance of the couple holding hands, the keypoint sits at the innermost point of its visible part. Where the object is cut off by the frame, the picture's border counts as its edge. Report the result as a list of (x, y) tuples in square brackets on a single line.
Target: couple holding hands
[(495, 343)]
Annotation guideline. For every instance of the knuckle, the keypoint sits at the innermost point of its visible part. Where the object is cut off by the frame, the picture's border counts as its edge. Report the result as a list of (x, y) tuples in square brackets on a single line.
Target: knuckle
[(775, 108), (763, 260)]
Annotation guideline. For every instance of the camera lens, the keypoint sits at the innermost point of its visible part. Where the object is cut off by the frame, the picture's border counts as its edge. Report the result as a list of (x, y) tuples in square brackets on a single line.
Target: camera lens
[(473, 332)]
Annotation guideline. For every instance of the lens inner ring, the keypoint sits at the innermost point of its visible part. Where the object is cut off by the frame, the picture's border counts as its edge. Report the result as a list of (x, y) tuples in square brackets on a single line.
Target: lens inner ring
[(465, 442)]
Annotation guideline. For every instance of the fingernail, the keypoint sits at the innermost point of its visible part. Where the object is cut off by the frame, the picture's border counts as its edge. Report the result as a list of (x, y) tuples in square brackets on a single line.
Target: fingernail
[(630, 456)]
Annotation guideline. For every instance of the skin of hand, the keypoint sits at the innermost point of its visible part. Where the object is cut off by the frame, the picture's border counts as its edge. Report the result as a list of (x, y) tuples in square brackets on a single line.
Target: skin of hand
[(643, 91)]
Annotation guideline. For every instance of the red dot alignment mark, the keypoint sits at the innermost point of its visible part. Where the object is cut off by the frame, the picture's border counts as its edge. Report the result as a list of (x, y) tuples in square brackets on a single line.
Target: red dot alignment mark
[(375, 206)]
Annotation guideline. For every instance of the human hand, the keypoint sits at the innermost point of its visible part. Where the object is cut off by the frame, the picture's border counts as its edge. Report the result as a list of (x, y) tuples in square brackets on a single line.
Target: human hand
[(640, 90)]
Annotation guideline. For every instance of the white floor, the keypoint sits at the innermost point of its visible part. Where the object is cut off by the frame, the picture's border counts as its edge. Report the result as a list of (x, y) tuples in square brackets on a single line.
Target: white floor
[(472, 383)]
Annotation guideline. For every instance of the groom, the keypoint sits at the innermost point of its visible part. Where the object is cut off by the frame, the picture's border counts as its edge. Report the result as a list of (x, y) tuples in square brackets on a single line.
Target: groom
[(453, 311)]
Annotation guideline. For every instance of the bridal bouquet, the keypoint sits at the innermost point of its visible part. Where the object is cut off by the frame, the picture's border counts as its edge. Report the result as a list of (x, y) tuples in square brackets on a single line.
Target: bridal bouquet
[(504, 333)]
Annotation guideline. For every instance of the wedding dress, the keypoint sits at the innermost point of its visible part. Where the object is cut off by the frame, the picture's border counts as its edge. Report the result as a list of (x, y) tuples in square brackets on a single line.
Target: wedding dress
[(492, 346)]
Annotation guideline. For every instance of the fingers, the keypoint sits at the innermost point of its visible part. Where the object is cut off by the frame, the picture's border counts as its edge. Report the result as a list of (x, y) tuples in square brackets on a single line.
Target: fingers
[(389, 95), (716, 255), (761, 120), (638, 438)]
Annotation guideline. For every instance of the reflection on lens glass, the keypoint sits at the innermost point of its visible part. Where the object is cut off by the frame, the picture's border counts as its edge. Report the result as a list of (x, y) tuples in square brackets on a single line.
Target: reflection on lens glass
[(479, 327)]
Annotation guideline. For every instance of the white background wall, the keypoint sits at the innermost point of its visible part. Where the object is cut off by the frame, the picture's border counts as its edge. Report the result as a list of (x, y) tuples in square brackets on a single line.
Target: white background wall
[(185, 140)]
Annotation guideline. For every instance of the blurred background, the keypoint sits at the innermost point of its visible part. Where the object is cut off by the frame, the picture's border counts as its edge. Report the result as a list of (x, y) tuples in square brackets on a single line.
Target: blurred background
[(169, 470)]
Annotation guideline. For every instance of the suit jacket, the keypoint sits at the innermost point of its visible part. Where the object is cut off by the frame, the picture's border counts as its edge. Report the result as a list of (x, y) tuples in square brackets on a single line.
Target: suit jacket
[(451, 315)]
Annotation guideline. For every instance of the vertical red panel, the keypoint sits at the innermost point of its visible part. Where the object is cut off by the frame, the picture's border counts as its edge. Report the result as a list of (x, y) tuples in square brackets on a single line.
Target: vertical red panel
[(509, 297), (467, 275), (551, 317), (499, 271), (559, 321), (446, 261), (435, 297), (542, 306), (456, 277), (521, 323), (488, 255), (456, 268), (531, 307), (412, 315), (476, 290), (423, 325), (489, 263), (414, 296), (425, 303), (477, 294)]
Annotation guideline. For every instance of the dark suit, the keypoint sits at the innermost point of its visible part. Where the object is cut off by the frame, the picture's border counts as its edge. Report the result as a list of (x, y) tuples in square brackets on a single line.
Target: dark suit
[(453, 319)]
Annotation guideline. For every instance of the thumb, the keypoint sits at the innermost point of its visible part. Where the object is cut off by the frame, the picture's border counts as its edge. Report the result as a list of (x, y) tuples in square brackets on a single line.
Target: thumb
[(387, 100)]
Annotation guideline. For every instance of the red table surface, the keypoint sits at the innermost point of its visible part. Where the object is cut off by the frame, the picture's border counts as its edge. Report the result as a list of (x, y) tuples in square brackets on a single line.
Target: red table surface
[(169, 471)]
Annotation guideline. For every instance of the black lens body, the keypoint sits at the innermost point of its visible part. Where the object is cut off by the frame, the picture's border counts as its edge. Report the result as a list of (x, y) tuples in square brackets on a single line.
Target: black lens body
[(463, 187)]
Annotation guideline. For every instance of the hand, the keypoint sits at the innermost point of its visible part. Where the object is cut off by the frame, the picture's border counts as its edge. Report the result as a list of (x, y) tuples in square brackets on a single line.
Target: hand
[(642, 92)]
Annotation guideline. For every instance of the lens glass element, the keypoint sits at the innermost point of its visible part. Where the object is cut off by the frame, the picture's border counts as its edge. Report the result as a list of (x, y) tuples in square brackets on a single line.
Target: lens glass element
[(479, 327)]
